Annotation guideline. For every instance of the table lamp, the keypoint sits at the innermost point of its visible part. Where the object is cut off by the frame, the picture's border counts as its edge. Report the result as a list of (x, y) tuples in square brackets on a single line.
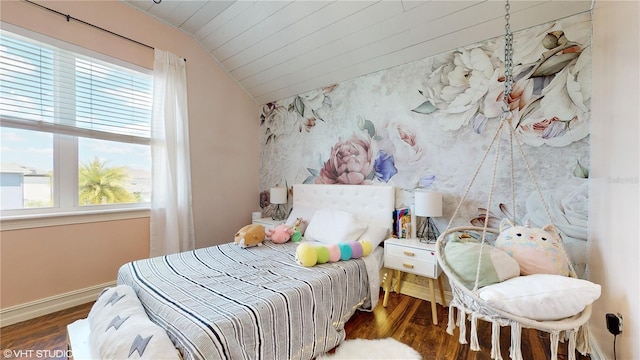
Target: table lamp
[(428, 204), (278, 197)]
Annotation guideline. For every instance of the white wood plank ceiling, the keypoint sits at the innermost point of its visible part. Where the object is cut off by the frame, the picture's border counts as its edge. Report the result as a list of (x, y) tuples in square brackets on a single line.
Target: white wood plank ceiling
[(276, 49)]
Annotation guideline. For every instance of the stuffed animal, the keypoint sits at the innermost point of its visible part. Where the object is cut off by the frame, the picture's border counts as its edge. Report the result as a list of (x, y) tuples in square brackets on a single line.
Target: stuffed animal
[(280, 234), (299, 226), (323, 254), (367, 247), (249, 236), (537, 251), (356, 249), (334, 252), (308, 254)]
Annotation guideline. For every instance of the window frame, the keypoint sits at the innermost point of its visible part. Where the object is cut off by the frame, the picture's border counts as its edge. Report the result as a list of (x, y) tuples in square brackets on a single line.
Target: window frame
[(65, 192)]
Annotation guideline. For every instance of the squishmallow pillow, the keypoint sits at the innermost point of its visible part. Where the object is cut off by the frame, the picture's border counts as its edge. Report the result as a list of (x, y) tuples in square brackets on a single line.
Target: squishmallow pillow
[(310, 254), (537, 250), (463, 252)]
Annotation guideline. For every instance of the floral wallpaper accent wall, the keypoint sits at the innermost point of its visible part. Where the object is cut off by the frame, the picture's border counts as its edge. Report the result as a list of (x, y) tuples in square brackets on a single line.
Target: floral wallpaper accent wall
[(426, 124)]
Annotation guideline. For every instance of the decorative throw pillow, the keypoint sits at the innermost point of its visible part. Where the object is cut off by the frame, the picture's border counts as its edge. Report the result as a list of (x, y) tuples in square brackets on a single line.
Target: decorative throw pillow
[(462, 253), (121, 329), (334, 226), (538, 251), (541, 296)]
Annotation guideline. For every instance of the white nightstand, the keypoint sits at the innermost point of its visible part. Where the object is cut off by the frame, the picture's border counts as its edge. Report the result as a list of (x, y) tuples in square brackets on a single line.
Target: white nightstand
[(268, 223), (415, 257)]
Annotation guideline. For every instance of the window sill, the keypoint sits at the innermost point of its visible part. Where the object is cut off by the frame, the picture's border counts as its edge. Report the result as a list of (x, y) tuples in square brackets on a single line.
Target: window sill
[(69, 218)]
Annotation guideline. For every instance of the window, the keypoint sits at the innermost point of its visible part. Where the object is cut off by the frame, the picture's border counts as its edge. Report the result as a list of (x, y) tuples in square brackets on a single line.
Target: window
[(74, 129)]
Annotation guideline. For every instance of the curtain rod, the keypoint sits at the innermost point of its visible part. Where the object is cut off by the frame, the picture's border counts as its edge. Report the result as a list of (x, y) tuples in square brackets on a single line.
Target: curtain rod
[(69, 18)]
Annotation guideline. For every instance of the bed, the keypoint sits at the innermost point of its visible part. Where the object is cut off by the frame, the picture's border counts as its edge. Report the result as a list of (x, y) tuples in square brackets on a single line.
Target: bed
[(233, 303)]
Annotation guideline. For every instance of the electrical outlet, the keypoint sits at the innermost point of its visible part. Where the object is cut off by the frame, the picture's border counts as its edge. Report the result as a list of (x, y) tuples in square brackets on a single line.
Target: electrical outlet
[(614, 323)]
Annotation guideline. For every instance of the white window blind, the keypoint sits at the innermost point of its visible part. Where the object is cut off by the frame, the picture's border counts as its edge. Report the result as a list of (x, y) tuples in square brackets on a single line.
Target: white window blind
[(47, 88)]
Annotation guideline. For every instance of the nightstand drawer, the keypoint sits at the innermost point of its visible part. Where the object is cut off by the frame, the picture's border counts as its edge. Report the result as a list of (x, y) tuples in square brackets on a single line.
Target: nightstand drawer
[(411, 265), (411, 253)]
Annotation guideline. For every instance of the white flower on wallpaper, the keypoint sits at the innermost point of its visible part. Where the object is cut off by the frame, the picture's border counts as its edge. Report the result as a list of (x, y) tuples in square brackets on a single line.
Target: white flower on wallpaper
[(401, 141), (455, 85), (550, 97)]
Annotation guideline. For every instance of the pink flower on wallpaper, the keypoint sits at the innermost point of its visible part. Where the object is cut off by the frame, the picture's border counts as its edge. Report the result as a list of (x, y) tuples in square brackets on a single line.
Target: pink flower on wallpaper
[(351, 162), (549, 128)]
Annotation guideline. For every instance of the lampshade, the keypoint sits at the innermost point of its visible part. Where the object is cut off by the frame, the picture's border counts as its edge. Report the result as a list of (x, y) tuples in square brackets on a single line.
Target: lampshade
[(278, 195), (428, 203)]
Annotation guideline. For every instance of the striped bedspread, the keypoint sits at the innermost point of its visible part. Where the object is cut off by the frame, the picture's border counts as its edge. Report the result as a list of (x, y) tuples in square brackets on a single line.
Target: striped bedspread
[(224, 302)]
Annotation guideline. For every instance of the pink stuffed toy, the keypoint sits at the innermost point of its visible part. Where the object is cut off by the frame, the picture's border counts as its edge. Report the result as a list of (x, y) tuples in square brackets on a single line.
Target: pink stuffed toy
[(280, 234)]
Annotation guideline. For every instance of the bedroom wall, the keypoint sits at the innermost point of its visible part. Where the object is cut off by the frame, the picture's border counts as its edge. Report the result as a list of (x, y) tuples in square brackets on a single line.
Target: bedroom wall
[(221, 116), (426, 124), (614, 206)]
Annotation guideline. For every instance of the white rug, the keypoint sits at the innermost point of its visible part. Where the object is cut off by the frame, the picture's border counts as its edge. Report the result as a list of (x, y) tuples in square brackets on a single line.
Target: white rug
[(388, 348)]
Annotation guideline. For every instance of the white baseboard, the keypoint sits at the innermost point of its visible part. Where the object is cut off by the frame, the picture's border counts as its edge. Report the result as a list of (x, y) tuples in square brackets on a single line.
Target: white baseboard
[(17, 313), (595, 354)]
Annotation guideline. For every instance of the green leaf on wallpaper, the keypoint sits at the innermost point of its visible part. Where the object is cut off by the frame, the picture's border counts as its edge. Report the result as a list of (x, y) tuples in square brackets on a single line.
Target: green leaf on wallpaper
[(309, 180), (371, 175), (316, 115), (299, 105), (369, 128), (313, 172), (425, 108), (377, 138), (581, 171)]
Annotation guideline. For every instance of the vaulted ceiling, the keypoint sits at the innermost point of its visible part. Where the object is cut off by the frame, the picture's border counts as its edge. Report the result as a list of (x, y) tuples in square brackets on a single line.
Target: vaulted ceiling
[(276, 49)]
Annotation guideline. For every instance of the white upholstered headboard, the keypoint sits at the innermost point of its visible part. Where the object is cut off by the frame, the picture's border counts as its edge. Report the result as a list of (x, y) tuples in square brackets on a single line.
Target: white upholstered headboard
[(371, 203)]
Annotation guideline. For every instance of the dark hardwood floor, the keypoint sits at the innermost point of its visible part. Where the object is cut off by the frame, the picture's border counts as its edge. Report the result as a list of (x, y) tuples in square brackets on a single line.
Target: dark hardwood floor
[(44, 337), (405, 318), (408, 320)]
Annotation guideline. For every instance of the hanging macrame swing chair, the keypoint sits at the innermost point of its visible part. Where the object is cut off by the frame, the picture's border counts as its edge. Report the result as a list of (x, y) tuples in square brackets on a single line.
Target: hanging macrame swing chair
[(467, 301)]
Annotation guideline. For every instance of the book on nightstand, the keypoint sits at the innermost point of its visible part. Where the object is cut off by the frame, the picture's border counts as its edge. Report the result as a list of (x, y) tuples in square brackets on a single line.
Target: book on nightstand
[(402, 223)]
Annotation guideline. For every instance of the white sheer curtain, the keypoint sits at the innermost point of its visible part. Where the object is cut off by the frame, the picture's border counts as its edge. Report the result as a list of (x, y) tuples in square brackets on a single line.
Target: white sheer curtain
[(171, 213)]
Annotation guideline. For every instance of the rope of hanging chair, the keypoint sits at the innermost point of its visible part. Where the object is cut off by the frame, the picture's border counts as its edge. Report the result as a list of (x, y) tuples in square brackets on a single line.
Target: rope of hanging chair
[(489, 198)]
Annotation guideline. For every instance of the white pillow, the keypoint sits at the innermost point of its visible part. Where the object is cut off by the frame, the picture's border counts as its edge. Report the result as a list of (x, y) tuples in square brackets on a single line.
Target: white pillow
[(541, 296), (333, 226), (375, 235)]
